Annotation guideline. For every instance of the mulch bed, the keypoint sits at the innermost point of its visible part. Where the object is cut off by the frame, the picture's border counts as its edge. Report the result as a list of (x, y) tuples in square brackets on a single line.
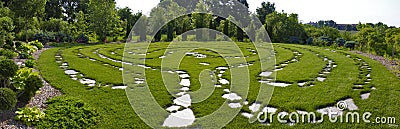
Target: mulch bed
[(44, 93)]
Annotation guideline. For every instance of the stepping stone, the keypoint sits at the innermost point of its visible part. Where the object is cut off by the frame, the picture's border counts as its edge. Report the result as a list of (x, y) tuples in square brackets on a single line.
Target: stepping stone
[(223, 81), (270, 109), (254, 107), (235, 105), (232, 96), (247, 115), (265, 74), (118, 87), (185, 82), (173, 108), (365, 96), (184, 76), (180, 119), (184, 100)]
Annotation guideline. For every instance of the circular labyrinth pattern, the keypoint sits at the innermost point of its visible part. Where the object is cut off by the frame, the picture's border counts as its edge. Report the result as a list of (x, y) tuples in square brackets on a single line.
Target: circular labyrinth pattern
[(306, 79)]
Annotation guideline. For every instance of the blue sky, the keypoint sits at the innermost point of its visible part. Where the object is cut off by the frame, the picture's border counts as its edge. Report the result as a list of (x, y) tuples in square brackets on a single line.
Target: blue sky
[(341, 11)]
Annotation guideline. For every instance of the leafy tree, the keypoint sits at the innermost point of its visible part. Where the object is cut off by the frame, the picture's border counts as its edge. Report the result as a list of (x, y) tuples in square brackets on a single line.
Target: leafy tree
[(200, 20), (126, 15), (281, 27), (103, 18), (5, 11), (53, 9), (264, 10), (72, 7), (155, 21), (54, 25), (27, 9), (6, 28), (392, 39)]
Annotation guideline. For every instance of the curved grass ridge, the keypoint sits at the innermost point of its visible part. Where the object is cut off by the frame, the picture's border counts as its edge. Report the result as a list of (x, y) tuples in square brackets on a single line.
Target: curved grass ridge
[(115, 108)]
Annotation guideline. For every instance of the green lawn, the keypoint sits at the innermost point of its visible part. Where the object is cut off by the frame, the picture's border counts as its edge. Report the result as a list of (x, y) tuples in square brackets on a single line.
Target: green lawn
[(117, 112)]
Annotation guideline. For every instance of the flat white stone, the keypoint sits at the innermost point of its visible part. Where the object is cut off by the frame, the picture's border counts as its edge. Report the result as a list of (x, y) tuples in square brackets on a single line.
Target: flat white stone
[(218, 86), (181, 93), (70, 72), (179, 72), (365, 96), (173, 108), (161, 57), (234, 105), (223, 81), (278, 84), (184, 75), (350, 104), (184, 89), (63, 64), (247, 115), (139, 82), (118, 87), (265, 74), (373, 88), (219, 75), (227, 90), (222, 68), (200, 56), (278, 69), (185, 82), (231, 96), (269, 109), (190, 53), (321, 79), (180, 119), (206, 64), (369, 75), (184, 100), (301, 83), (87, 81), (254, 107)]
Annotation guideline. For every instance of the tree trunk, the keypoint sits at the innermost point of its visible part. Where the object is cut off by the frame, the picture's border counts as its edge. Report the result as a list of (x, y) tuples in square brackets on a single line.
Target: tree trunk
[(26, 30)]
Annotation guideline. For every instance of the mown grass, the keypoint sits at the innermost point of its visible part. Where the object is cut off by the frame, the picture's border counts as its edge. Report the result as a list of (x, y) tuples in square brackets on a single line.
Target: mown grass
[(117, 112)]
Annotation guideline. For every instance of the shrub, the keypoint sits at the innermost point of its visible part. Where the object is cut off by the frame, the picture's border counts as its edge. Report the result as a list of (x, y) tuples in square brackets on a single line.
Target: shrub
[(32, 84), (64, 112), (21, 36), (7, 70), (61, 37), (9, 54), (37, 44), (26, 50), (82, 39), (29, 116), (30, 63), (7, 99), (43, 37)]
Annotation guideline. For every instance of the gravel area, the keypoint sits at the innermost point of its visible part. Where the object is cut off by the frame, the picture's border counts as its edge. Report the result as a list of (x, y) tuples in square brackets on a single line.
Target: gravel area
[(390, 64), (44, 93)]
